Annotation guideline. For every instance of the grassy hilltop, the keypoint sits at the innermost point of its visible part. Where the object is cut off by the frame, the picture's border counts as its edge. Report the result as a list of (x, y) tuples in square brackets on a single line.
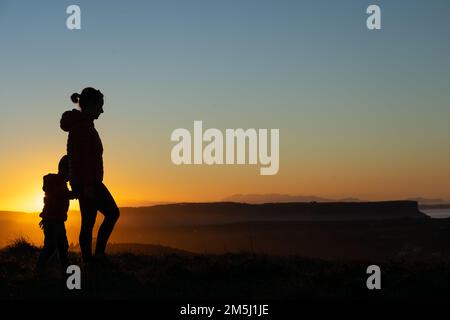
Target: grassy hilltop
[(179, 275)]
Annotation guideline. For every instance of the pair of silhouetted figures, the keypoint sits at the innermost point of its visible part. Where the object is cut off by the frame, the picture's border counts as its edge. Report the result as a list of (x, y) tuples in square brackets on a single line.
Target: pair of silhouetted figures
[(83, 167)]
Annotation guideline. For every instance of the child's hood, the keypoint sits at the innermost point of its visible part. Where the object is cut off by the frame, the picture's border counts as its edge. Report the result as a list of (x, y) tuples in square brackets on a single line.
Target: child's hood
[(54, 183)]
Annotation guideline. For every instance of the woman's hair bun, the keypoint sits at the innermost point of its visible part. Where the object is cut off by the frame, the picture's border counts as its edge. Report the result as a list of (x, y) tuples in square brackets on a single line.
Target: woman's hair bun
[(75, 97)]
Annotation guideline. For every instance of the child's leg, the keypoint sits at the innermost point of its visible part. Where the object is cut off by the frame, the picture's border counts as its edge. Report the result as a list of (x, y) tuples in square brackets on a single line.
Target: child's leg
[(63, 246), (50, 240)]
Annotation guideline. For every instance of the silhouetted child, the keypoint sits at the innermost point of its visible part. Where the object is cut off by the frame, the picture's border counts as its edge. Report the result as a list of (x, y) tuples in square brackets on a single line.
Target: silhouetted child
[(54, 214)]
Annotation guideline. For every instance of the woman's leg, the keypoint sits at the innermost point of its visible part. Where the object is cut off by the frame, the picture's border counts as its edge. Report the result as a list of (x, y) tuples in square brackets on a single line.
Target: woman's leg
[(108, 207), (88, 210)]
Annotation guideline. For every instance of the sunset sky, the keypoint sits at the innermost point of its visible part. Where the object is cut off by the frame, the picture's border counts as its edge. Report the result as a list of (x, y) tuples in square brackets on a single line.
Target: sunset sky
[(361, 113)]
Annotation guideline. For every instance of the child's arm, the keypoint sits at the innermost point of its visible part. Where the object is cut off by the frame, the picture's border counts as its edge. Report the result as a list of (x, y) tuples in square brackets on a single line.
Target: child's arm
[(71, 195)]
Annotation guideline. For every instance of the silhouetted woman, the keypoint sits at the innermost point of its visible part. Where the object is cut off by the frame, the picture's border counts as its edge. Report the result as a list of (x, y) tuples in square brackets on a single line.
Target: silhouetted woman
[(85, 150)]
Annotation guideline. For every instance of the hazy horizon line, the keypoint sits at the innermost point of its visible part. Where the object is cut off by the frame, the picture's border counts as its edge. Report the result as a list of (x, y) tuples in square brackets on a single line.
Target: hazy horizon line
[(146, 204)]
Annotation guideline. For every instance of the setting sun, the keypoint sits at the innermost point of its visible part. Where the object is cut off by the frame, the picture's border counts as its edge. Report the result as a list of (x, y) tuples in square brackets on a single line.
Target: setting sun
[(36, 202), (32, 203)]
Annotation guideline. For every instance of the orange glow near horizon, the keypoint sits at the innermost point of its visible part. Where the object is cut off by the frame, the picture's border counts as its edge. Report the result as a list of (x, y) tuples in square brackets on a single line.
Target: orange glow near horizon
[(138, 176), (214, 184)]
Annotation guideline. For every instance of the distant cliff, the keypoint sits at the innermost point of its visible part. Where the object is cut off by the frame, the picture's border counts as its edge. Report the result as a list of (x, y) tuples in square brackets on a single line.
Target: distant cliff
[(230, 212)]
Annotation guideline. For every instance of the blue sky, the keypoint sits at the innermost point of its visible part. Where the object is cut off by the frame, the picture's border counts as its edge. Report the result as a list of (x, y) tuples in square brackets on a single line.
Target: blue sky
[(350, 103)]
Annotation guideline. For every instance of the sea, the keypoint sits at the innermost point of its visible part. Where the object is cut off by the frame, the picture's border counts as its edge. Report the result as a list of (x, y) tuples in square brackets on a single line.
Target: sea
[(437, 213)]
